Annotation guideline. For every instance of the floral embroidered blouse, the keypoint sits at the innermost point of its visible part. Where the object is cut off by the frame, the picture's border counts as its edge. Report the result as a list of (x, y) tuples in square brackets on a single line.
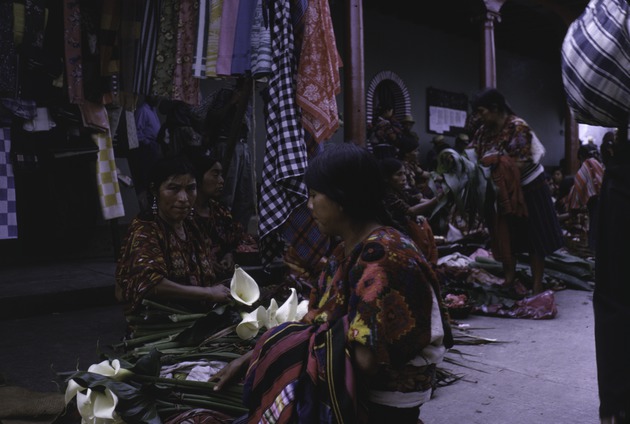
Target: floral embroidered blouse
[(153, 251), (514, 140), (385, 288)]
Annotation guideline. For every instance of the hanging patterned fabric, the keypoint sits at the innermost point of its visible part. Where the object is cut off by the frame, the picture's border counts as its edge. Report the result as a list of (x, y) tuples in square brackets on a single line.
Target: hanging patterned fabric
[(8, 207), (241, 54), (107, 177), (162, 80), (131, 18), (147, 44), (214, 28), (285, 160), (201, 42), (261, 45), (109, 48), (72, 46), (229, 15), (185, 87), (596, 63), (8, 56), (318, 80)]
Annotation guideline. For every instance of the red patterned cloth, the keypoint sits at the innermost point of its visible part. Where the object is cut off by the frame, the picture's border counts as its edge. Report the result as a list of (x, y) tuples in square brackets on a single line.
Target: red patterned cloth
[(318, 79), (587, 184)]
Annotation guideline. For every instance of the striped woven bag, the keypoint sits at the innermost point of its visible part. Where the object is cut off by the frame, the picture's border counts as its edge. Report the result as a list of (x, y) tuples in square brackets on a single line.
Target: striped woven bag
[(596, 63)]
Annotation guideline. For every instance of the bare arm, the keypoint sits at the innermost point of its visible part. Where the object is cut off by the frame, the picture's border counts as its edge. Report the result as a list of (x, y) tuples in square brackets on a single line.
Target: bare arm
[(231, 371), (423, 207), (167, 289)]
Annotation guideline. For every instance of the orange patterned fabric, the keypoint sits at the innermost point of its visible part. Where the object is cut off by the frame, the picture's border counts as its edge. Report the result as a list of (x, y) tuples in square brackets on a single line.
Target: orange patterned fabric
[(318, 80)]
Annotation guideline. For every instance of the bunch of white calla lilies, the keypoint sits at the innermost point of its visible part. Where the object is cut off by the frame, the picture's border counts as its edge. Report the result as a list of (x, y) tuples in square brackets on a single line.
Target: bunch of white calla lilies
[(95, 406), (245, 290)]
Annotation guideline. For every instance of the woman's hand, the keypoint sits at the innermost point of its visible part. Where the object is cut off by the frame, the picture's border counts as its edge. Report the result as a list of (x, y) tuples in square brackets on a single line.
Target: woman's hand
[(232, 370), (218, 293)]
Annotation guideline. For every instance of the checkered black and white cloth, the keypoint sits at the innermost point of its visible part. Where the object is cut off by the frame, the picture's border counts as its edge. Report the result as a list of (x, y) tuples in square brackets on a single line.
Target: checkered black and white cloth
[(8, 214), (596, 63), (285, 161)]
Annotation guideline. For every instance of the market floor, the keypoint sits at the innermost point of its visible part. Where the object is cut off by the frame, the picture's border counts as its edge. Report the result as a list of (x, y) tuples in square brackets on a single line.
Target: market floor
[(542, 372)]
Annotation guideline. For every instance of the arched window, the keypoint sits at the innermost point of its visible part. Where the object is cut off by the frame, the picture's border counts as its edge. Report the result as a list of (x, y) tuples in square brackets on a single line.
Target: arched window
[(387, 88)]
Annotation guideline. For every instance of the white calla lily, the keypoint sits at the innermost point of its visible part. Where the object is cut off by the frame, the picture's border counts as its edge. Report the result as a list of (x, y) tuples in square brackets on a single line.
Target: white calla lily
[(98, 407), (270, 319), (302, 309), (287, 311), (251, 323), (243, 287), (112, 370), (72, 389)]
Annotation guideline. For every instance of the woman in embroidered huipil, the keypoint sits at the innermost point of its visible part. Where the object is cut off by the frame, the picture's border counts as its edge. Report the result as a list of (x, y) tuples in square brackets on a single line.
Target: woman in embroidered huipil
[(520, 213), (376, 326), (165, 255)]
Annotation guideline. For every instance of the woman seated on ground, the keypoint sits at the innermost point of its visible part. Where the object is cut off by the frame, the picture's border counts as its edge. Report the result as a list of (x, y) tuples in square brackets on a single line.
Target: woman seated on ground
[(376, 313), (165, 256), (406, 211), (415, 175), (216, 219)]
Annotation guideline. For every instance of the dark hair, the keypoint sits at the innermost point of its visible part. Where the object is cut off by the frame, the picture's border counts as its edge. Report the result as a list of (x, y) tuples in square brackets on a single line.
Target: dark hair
[(202, 164), (586, 151), (407, 143), (167, 167), (349, 175), (389, 167), (492, 99)]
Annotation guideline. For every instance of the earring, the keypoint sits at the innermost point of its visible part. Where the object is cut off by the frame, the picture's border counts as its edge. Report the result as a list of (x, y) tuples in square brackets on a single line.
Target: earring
[(154, 208), (192, 211)]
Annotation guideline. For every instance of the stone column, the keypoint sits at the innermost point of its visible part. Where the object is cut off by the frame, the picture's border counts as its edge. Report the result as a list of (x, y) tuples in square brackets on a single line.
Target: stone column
[(489, 69)]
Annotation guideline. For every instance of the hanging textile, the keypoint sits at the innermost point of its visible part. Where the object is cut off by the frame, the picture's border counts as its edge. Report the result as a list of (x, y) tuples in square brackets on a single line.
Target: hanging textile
[(285, 160), (241, 55), (203, 25), (72, 47), (147, 44), (109, 47), (261, 45), (229, 15), (107, 177), (8, 56), (214, 28), (8, 207), (318, 80), (131, 15), (185, 87), (162, 80), (596, 64)]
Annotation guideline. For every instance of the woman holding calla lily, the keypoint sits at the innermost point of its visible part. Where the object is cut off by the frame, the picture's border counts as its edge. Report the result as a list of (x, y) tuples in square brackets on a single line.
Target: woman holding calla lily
[(165, 255), (375, 327)]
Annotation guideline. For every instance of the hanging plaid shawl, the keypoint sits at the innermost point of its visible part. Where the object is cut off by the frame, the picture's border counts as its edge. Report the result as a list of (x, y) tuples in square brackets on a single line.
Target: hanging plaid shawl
[(308, 379), (596, 63), (285, 158)]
